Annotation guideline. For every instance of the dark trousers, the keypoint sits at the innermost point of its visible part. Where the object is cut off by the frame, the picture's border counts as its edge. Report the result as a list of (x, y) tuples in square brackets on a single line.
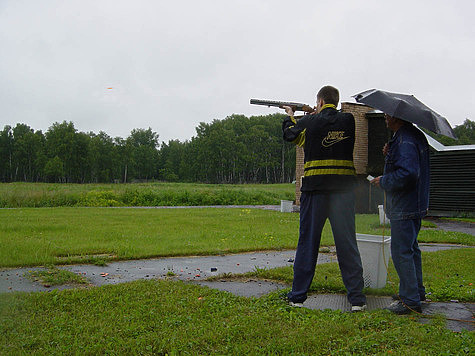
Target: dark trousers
[(339, 208), (407, 260)]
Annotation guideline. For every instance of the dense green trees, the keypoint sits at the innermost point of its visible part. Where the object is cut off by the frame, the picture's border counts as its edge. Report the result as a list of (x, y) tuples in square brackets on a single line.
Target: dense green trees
[(21, 154), (234, 150), (237, 149)]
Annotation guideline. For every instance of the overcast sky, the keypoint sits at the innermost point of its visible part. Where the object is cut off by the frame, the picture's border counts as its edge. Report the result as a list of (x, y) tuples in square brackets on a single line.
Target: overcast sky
[(173, 64)]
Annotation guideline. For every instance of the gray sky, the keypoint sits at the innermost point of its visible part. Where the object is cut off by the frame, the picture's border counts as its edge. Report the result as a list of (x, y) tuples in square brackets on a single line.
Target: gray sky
[(173, 64)]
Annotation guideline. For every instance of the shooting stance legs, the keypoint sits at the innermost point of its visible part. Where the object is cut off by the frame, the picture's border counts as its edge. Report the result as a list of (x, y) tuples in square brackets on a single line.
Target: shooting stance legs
[(314, 210)]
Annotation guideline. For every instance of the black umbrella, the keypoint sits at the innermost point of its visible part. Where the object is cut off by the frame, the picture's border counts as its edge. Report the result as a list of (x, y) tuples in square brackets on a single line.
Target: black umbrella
[(406, 107)]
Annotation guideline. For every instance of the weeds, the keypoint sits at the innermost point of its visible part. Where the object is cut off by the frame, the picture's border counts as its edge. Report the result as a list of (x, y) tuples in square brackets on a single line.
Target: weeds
[(53, 276), (16, 195), (99, 262)]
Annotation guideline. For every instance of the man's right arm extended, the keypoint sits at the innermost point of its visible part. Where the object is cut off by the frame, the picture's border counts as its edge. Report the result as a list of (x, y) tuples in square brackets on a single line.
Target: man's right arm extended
[(293, 131)]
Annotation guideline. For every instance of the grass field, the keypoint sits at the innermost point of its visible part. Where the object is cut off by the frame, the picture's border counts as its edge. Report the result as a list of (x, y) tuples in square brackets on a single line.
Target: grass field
[(169, 317), (72, 235), (175, 318), (34, 236)]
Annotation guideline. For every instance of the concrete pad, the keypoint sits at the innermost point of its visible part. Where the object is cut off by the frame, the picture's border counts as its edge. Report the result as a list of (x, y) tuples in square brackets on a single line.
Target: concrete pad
[(452, 225), (340, 302), (464, 313), (191, 268), (460, 311), (184, 268), (433, 247)]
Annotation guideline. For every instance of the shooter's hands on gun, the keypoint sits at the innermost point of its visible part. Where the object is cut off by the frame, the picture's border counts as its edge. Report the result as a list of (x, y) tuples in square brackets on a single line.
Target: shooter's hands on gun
[(290, 111), (309, 110)]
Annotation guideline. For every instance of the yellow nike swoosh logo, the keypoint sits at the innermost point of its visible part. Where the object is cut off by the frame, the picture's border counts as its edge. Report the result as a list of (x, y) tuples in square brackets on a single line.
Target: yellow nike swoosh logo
[(328, 142)]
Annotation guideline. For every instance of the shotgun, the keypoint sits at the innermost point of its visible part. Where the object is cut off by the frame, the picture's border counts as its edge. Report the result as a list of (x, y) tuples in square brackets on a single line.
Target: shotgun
[(280, 104)]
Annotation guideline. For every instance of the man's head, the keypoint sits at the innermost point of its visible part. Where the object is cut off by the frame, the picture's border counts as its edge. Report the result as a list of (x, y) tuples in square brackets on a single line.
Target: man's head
[(393, 123), (327, 95)]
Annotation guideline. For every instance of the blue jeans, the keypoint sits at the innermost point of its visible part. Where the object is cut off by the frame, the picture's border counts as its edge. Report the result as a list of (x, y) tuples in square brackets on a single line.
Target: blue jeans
[(407, 260), (339, 208)]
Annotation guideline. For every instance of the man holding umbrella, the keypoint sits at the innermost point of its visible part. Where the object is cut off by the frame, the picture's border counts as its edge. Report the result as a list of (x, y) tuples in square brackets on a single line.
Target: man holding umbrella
[(405, 181), (406, 184)]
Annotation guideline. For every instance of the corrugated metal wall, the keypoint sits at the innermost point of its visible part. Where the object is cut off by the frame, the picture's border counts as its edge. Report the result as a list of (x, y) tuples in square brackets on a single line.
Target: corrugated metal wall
[(452, 182)]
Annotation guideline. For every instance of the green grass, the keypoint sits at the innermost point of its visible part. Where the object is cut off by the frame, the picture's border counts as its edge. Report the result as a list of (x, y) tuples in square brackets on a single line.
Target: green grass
[(79, 235), (165, 317), (33, 236), (447, 274), (16, 195), (53, 276), (470, 220), (369, 224)]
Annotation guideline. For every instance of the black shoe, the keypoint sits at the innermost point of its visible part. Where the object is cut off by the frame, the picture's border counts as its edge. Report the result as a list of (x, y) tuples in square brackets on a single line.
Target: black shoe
[(399, 307), (284, 296)]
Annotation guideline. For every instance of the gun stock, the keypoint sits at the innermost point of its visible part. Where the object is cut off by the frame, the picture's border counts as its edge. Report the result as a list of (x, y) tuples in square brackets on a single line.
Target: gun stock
[(280, 104)]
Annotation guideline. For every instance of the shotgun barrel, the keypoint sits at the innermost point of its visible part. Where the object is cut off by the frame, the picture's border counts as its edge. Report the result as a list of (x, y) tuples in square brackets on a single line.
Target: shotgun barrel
[(280, 104)]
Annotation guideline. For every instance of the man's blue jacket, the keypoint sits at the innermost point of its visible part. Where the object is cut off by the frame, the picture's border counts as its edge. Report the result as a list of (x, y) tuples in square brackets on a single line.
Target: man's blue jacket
[(406, 175)]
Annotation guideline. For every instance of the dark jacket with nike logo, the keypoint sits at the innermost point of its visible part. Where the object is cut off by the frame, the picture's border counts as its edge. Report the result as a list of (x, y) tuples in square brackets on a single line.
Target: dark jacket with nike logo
[(328, 140)]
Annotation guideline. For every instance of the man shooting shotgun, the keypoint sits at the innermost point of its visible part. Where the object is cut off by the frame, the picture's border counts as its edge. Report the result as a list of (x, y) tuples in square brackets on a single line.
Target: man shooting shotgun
[(327, 137), (280, 104)]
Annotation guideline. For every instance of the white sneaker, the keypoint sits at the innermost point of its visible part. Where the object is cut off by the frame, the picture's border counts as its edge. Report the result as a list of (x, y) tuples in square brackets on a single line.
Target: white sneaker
[(358, 308), (297, 305)]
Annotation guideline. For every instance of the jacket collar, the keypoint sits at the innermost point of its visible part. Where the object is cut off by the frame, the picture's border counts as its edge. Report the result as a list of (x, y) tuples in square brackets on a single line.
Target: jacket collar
[(404, 128), (326, 106)]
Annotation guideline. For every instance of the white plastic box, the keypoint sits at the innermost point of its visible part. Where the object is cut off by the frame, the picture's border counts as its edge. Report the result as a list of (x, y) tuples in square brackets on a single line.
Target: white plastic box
[(374, 251), (286, 206)]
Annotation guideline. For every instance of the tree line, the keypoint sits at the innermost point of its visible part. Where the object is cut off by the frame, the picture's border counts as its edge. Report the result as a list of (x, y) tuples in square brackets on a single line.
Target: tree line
[(236, 149)]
